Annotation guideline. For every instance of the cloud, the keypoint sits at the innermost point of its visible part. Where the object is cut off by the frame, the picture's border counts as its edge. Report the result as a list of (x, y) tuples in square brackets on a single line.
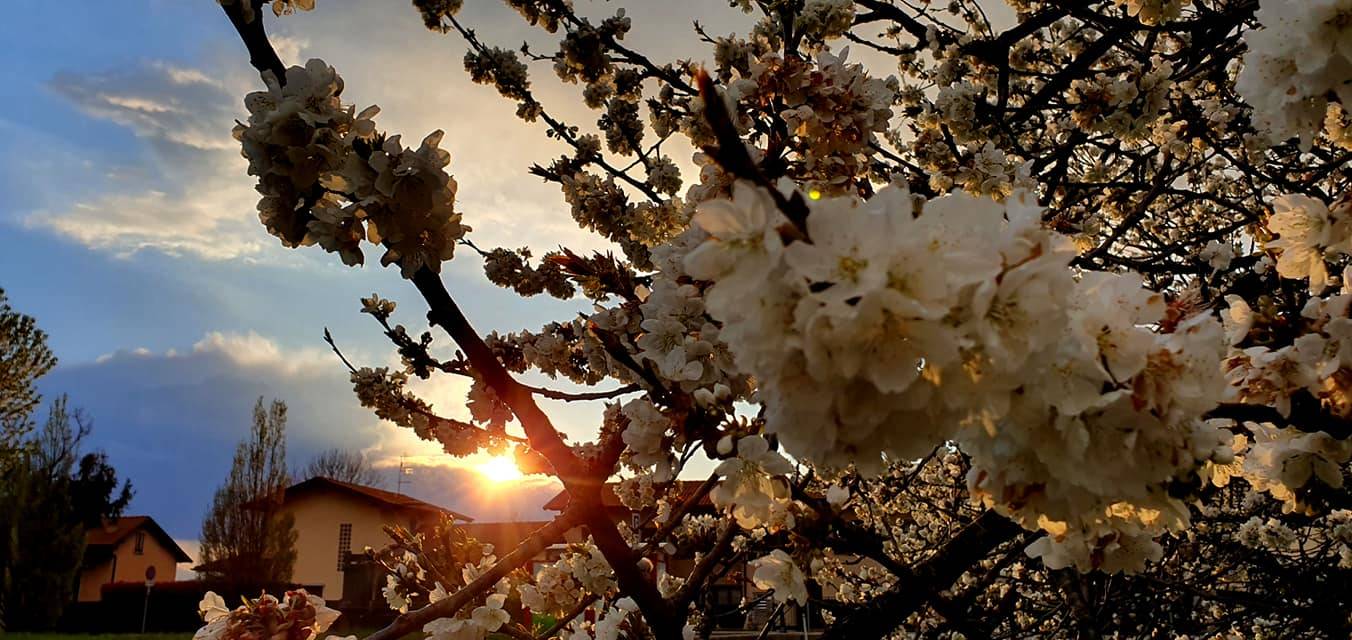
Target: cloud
[(159, 101), (170, 422), (186, 193), (181, 189), (175, 223)]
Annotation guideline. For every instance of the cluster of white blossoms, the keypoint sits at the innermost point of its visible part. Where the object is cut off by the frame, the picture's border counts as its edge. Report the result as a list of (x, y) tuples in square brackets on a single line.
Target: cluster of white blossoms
[(677, 337), (385, 392), (559, 586), (405, 198), (1286, 463), (1309, 231), (568, 349), (401, 582), (1329, 537), (898, 324), (328, 177), (609, 624), (644, 439), (825, 19), (297, 615), (1154, 11), (407, 581), (779, 573), (1341, 532), (1270, 534), (1301, 56), (1127, 105), (833, 108), (483, 619), (755, 487)]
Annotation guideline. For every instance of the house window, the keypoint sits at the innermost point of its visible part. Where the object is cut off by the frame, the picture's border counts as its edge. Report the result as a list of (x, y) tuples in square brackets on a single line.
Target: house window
[(344, 544), (140, 543)]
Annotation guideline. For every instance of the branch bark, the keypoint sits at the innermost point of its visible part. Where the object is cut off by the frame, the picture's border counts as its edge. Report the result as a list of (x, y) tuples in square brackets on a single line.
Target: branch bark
[(543, 537), (915, 587)]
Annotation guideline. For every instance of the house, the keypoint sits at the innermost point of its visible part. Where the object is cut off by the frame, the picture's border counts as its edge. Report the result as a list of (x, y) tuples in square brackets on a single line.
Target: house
[(334, 519), (121, 551)]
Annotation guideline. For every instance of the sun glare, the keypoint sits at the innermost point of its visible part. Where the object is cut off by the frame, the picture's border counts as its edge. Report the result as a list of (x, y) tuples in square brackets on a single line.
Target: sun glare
[(499, 469)]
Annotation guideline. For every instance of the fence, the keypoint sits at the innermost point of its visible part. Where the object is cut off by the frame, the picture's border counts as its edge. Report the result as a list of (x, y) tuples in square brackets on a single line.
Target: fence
[(172, 606)]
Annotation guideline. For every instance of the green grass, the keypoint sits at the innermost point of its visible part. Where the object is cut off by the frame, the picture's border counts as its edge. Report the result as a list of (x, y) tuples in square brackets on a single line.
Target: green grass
[(186, 635)]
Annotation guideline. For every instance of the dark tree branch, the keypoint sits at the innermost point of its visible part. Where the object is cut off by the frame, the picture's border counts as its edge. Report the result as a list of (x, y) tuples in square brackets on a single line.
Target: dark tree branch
[(913, 588)]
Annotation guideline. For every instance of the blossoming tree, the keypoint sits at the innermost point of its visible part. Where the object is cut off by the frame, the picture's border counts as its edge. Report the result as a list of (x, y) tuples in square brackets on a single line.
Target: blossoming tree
[(1056, 305)]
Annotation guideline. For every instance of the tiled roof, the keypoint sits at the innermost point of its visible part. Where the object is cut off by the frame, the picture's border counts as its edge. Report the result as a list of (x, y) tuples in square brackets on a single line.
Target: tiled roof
[(610, 500), (371, 493), (116, 530)]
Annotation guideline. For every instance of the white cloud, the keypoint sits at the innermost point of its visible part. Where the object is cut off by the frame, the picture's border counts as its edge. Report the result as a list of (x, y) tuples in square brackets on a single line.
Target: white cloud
[(188, 193), (181, 191), (159, 101), (202, 222), (253, 350)]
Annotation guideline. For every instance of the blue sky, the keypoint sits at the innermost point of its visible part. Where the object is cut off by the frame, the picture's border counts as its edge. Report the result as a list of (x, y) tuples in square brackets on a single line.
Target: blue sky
[(131, 234)]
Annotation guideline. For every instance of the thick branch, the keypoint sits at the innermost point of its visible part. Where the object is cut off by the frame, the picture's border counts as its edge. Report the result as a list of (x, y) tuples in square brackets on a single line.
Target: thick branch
[(414, 621), (915, 587), (445, 313), (261, 54)]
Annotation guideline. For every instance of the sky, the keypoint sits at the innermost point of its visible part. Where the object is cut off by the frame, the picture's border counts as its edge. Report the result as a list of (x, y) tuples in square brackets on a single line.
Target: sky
[(132, 236)]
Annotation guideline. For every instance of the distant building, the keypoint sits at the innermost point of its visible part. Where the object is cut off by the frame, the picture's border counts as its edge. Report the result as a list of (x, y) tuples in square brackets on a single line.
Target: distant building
[(121, 551), (335, 519)]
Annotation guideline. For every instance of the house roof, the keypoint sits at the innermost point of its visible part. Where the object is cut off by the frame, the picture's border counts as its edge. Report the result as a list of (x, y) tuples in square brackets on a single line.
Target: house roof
[(610, 500), (372, 494), (114, 531)]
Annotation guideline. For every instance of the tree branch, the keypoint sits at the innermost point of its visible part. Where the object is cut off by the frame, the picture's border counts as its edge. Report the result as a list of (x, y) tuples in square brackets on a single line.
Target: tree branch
[(538, 541), (916, 586)]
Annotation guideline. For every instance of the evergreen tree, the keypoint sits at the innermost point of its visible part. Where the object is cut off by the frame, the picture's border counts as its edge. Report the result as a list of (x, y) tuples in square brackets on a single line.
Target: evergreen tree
[(24, 357), (246, 539), (57, 495)]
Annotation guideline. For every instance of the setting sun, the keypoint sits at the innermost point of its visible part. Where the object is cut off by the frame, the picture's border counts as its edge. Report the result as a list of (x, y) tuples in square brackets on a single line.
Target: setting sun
[(498, 469)]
